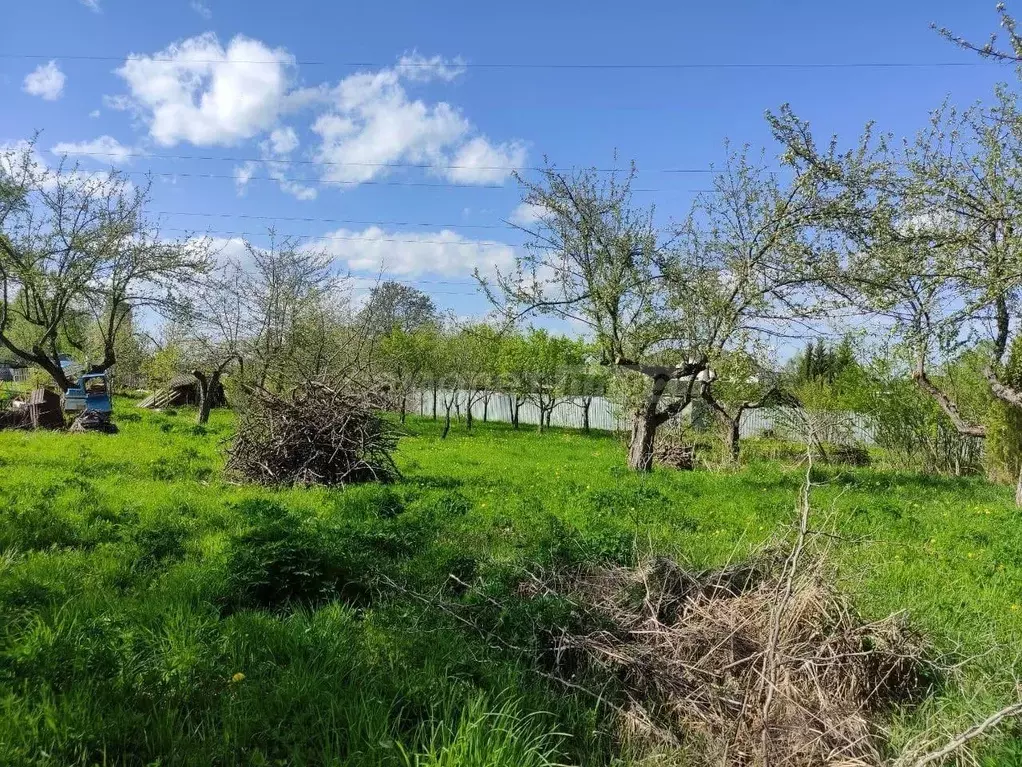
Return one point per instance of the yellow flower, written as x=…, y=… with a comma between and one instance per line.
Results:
x=1014, y=607
x=239, y=677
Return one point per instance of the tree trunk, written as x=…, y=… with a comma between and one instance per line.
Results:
x=640, y=446
x=206, y=387
x=434, y=403
x=734, y=433
x=542, y=417
x=447, y=422
x=549, y=415
x=645, y=421
x=486, y=408
x=585, y=415
x=515, y=404
x=404, y=407
x=57, y=374
x=468, y=415
x=1018, y=490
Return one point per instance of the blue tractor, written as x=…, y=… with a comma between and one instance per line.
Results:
x=92, y=395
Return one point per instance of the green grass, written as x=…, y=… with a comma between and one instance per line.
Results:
x=151, y=612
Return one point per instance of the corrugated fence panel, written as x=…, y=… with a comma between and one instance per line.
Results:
x=837, y=426
x=569, y=413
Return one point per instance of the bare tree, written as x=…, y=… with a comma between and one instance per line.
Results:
x=77, y=252
x=217, y=326
x=286, y=288
x=932, y=244
x=594, y=259
x=990, y=49
x=740, y=267
x=744, y=386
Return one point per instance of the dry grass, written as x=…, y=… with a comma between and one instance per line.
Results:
x=692, y=654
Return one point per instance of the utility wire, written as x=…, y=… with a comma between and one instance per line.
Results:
x=371, y=182
x=312, y=219
x=529, y=65
x=316, y=220
x=423, y=166
x=454, y=243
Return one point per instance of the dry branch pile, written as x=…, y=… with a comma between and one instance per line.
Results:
x=90, y=420
x=313, y=435
x=675, y=456
x=693, y=653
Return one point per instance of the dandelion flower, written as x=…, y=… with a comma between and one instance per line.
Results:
x=239, y=677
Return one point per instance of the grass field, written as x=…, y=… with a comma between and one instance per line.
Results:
x=152, y=613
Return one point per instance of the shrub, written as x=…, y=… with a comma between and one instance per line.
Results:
x=284, y=561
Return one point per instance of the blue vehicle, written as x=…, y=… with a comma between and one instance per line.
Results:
x=92, y=394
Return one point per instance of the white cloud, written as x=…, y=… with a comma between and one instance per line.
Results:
x=223, y=249
x=198, y=91
x=243, y=174
x=279, y=170
x=94, y=114
x=283, y=141
x=274, y=151
x=374, y=123
x=414, y=253
x=382, y=130
x=18, y=155
x=202, y=9
x=92, y=5
x=416, y=67
x=480, y=162
x=45, y=81
x=526, y=214
x=105, y=149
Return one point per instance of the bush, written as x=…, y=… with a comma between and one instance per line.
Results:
x=284, y=561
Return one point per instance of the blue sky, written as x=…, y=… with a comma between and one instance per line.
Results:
x=316, y=93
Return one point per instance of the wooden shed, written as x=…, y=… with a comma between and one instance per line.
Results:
x=182, y=389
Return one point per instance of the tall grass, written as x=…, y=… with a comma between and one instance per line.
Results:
x=151, y=612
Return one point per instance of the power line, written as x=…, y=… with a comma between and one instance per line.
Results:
x=531, y=65
x=385, y=278
x=371, y=182
x=313, y=219
x=422, y=166
x=318, y=220
x=431, y=292
x=463, y=244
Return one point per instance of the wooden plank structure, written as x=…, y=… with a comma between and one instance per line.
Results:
x=182, y=389
x=44, y=409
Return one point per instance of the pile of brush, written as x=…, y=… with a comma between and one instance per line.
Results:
x=91, y=421
x=675, y=455
x=751, y=665
x=314, y=435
